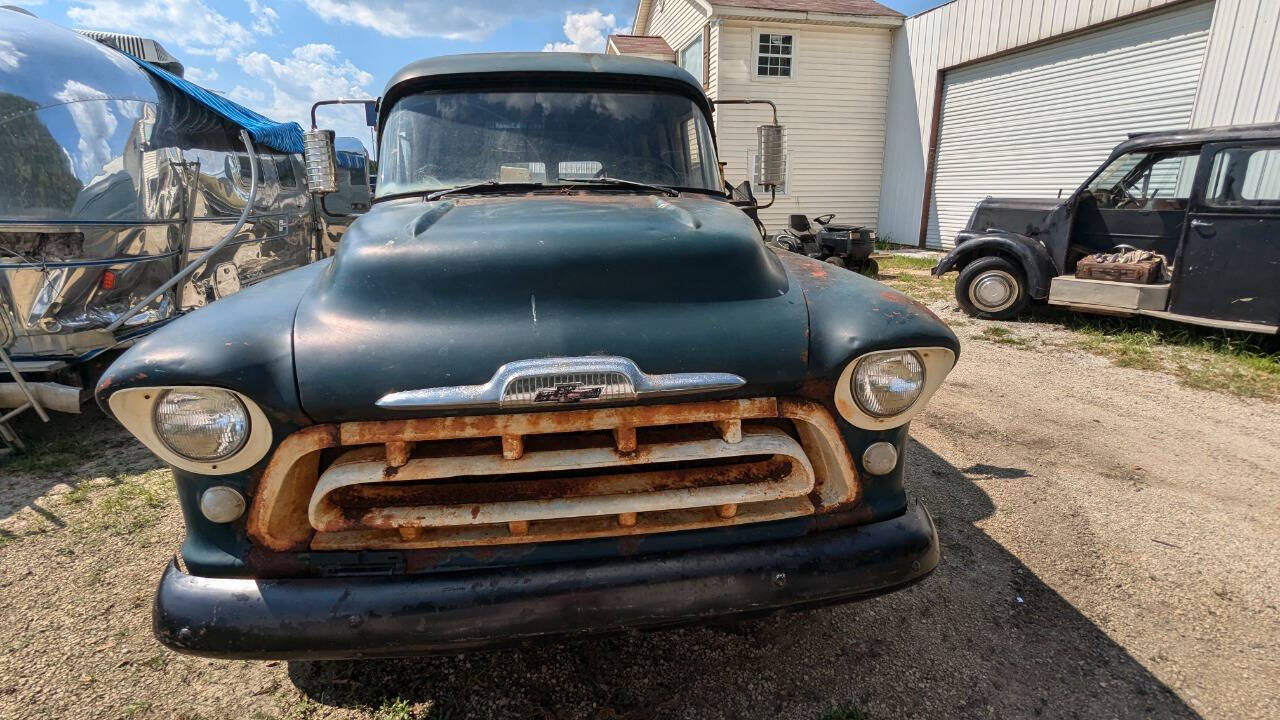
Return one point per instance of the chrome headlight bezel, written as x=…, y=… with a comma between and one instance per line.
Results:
x=937, y=363
x=135, y=408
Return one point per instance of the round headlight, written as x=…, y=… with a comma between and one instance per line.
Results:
x=888, y=383
x=201, y=424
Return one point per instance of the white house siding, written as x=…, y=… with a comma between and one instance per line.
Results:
x=1240, y=83
x=960, y=32
x=678, y=22
x=1039, y=121
x=834, y=110
x=713, y=61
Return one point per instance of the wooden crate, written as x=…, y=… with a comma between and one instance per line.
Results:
x=1143, y=272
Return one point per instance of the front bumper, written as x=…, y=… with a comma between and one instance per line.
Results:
x=450, y=612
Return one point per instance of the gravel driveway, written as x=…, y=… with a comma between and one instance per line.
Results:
x=1109, y=550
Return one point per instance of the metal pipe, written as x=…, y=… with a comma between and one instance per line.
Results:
x=15, y=412
x=204, y=256
x=315, y=105
x=748, y=101
x=10, y=437
x=22, y=385
x=773, y=197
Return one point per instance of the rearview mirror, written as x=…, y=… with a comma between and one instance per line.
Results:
x=321, y=159
x=771, y=170
x=318, y=151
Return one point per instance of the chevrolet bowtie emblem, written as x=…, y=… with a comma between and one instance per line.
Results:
x=569, y=393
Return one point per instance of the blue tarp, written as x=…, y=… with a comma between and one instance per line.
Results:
x=350, y=159
x=285, y=137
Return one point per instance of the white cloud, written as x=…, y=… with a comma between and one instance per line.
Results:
x=264, y=18
x=586, y=32
x=311, y=72
x=187, y=24
x=201, y=77
x=247, y=96
x=10, y=56
x=473, y=20
x=95, y=123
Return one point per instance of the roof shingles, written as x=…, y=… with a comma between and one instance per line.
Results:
x=834, y=7
x=641, y=45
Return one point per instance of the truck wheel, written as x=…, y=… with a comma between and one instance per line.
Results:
x=992, y=288
x=870, y=268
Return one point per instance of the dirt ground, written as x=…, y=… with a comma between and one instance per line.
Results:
x=1110, y=539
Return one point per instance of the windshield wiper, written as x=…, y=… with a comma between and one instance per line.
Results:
x=472, y=187
x=672, y=192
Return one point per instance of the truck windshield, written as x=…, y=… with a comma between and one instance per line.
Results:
x=436, y=141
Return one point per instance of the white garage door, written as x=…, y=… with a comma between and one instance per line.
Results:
x=1039, y=121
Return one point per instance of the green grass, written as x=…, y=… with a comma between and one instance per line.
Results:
x=61, y=454
x=1242, y=364
x=135, y=502
x=907, y=262
x=79, y=492
x=910, y=275
x=1002, y=336
x=397, y=709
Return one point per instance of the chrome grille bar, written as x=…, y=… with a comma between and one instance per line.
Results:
x=549, y=382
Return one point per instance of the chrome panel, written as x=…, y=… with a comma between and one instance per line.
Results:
x=550, y=382
x=83, y=150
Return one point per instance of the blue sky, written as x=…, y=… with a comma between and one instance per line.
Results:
x=276, y=56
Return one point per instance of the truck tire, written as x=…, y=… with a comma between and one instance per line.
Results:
x=992, y=288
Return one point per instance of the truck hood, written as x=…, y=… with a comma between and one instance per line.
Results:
x=1029, y=217
x=426, y=295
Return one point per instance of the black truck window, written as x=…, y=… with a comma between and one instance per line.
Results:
x=1245, y=176
x=1146, y=181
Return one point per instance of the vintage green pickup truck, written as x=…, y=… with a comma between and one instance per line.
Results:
x=553, y=382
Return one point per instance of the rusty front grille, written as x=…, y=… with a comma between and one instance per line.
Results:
x=500, y=479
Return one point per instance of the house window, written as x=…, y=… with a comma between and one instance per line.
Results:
x=691, y=58
x=774, y=54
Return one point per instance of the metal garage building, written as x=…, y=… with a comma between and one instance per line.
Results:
x=1024, y=98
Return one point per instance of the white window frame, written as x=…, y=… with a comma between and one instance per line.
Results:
x=754, y=70
x=785, y=190
x=697, y=38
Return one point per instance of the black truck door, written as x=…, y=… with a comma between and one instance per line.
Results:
x=1228, y=267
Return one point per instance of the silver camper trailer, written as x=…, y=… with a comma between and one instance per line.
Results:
x=127, y=197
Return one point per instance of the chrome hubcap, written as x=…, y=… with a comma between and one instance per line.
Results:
x=993, y=291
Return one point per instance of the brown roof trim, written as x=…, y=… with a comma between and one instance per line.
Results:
x=641, y=44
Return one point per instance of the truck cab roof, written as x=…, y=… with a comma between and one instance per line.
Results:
x=588, y=69
x=1198, y=136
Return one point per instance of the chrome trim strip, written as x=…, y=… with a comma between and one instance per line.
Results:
x=491, y=394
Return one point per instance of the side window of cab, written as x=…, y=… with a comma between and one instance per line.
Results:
x=1244, y=177
x=1146, y=181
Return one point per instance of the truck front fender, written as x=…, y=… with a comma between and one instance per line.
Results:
x=1028, y=254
